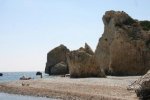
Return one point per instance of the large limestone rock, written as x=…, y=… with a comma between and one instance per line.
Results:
x=56, y=56
x=83, y=64
x=124, y=48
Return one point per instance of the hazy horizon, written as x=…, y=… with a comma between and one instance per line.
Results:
x=29, y=29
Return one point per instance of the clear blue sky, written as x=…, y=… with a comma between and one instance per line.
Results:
x=31, y=28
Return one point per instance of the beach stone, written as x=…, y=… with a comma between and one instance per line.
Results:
x=124, y=48
x=56, y=56
x=83, y=64
x=59, y=69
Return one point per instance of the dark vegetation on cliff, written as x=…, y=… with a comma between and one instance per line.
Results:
x=145, y=25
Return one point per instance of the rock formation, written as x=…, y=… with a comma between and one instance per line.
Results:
x=54, y=57
x=83, y=64
x=39, y=73
x=124, y=48
x=88, y=49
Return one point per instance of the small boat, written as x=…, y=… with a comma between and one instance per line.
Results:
x=25, y=78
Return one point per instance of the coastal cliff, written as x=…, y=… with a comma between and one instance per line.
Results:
x=124, y=48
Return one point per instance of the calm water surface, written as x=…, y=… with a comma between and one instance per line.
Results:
x=5, y=96
x=12, y=76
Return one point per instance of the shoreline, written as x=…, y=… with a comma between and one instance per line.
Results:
x=111, y=88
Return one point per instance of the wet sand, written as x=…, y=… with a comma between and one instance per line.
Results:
x=110, y=88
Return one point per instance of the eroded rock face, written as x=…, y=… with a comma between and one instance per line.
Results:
x=123, y=48
x=59, y=69
x=83, y=64
x=56, y=56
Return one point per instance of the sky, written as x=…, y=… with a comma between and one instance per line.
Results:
x=29, y=29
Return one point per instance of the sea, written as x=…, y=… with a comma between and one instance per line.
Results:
x=12, y=76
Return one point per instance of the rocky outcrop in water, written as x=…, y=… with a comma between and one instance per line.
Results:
x=124, y=48
x=83, y=64
x=54, y=57
x=39, y=74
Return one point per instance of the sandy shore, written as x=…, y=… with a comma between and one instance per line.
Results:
x=110, y=88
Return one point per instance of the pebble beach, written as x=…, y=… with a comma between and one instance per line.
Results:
x=110, y=88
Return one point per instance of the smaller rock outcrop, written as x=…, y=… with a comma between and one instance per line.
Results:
x=59, y=69
x=39, y=73
x=56, y=56
x=82, y=63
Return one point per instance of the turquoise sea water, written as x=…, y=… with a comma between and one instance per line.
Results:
x=11, y=76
